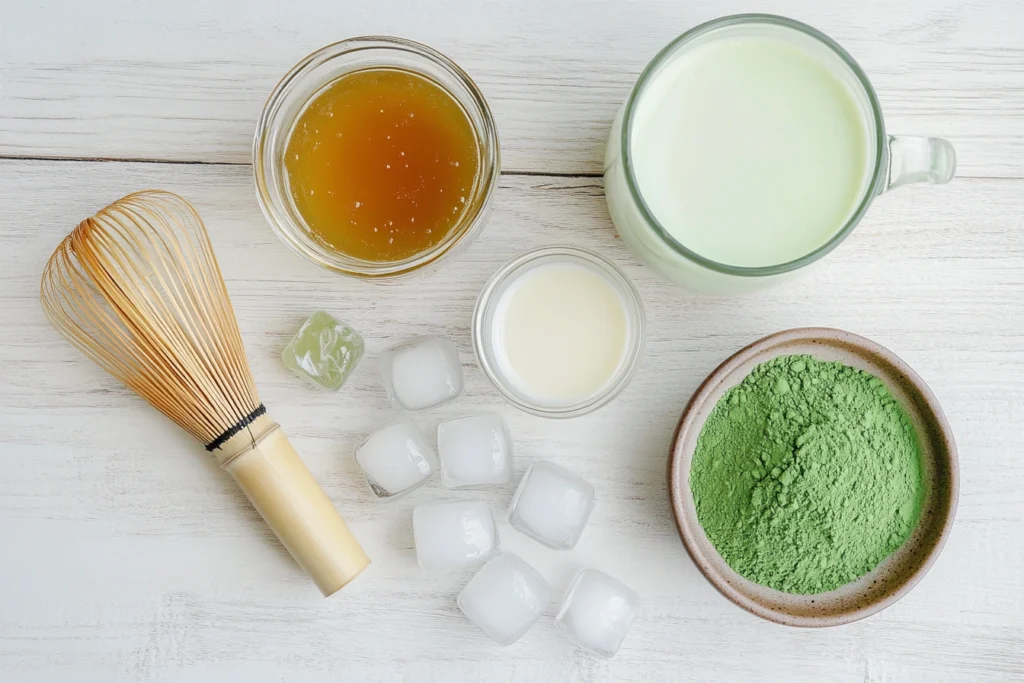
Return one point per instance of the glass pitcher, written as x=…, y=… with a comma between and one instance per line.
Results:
x=891, y=161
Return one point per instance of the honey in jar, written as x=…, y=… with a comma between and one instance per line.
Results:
x=382, y=164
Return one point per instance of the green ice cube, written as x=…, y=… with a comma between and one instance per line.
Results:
x=323, y=351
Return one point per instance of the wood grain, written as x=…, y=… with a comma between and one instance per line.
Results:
x=128, y=556
x=185, y=80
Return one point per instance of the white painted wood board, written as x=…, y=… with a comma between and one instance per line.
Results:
x=126, y=555
x=186, y=79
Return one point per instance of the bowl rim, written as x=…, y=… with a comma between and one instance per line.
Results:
x=689, y=529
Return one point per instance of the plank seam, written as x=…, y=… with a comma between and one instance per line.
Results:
x=188, y=162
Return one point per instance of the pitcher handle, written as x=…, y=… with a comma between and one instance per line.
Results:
x=919, y=160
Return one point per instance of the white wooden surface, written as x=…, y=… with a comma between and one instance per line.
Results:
x=125, y=555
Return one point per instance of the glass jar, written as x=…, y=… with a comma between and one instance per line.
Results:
x=303, y=83
x=892, y=161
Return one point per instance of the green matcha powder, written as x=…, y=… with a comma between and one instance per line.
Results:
x=807, y=475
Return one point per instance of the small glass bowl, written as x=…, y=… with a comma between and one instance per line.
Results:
x=483, y=322
x=304, y=82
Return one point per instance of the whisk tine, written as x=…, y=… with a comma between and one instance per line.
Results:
x=113, y=280
x=170, y=319
x=138, y=289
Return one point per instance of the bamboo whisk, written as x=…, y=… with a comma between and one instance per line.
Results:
x=138, y=290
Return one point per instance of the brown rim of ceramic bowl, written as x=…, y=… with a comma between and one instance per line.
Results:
x=898, y=573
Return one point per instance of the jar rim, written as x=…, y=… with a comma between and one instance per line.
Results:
x=267, y=163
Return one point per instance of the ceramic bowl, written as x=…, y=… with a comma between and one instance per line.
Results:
x=897, y=574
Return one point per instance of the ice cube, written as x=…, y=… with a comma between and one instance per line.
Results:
x=324, y=351
x=505, y=598
x=422, y=373
x=396, y=459
x=597, y=612
x=474, y=450
x=552, y=505
x=453, y=535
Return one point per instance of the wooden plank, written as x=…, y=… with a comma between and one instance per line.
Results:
x=185, y=80
x=127, y=556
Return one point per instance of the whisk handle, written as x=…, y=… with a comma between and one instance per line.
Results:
x=290, y=500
